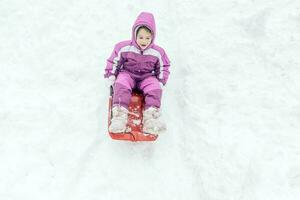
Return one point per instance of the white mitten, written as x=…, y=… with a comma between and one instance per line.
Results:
x=161, y=85
x=111, y=80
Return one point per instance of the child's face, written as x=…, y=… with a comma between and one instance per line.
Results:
x=143, y=38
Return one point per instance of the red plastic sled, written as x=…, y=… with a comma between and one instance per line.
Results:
x=134, y=128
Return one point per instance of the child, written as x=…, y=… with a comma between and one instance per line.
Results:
x=138, y=63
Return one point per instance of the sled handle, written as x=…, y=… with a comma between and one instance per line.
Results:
x=111, y=90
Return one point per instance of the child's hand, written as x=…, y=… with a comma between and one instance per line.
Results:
x=161, y=85
x=111, y=80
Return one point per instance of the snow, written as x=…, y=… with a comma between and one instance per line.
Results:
x=232, y=103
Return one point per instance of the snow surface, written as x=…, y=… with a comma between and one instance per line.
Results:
x=232, y=103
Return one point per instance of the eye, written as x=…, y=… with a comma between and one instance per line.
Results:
x=140, y=37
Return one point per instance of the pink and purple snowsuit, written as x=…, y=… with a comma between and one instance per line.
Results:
x=139, y=69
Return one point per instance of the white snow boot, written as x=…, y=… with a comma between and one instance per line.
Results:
x=152, y=122
x=119, y=119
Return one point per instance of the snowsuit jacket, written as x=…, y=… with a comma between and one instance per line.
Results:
x=140, y=64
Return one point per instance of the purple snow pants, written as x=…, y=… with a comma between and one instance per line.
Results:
x=149, y=86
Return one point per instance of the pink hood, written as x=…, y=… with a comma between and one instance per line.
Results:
x=146, y=19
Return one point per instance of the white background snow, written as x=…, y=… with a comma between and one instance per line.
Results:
x=232, y=103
